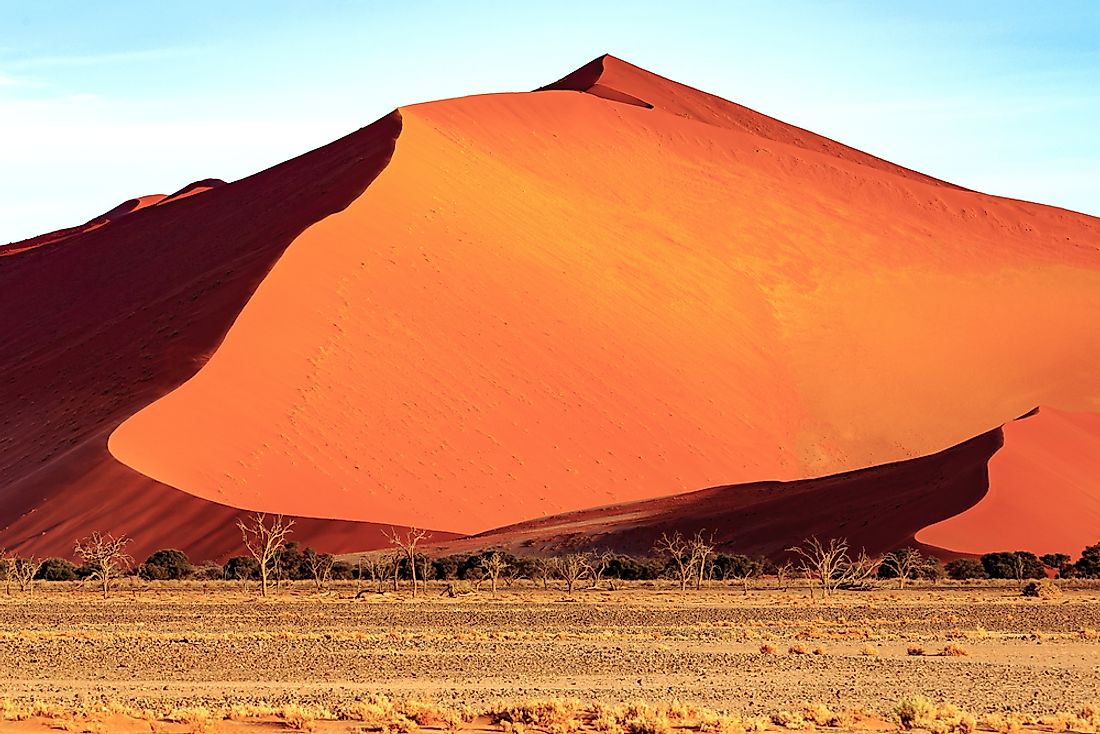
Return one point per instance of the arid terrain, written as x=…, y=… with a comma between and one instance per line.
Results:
x=594, y=312
x=157, y=647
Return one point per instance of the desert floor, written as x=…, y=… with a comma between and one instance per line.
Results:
x=156, y=647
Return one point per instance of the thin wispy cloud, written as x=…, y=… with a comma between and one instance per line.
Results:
x=96, y=59
x=7, y=80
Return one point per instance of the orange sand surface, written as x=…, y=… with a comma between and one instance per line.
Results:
x=102, y=322
x=1044, y=490
x=558, y=300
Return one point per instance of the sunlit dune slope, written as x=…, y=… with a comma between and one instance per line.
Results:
x=618, y=80
x=99, y=324
x=558, y=300
x=877, y=509
x=1044, y=490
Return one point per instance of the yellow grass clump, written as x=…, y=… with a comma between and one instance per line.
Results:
x=918, y=712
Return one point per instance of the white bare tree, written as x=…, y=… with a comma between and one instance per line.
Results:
x=600, y=565
x=406, y=545
x=700, y=549
x=6, y=570
x=679, y=553
x=264, y=538
x=905, y=563
x=105, y=555
x=320, y=567
x=493, y=565
x=24, y=570
x=830, y=567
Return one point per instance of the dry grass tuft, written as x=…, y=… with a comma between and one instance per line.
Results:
x=869, y=650
x=1085, y=719
x=197, y=719
x=553, y=715
x=954, y=650
x=918, y=712
x=1042, y=589
x=301, y=718
x=791, y=720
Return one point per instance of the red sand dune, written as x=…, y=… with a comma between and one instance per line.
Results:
x=104, y=322
x=1044, y=490
x=191, y=189
x=879, y=509
x=554, y=300
x=125, y=208
x=495, y=308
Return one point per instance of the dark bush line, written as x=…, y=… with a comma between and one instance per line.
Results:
x=293, y=563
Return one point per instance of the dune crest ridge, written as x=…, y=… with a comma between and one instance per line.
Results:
x=105, y=321
x=556, y=300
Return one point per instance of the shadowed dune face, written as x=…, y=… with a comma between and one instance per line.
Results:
x=879, y=509
x=1044, y=490
x=552, y=301
x=610, y=291
x=102, y=323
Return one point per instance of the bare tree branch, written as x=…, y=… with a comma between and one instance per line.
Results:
x=105, y=555
x=407, y=545
x=264, y=540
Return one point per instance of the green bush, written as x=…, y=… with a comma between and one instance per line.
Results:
x=56, y=569
x=1088, y=565
x=242, y=567
x=1018, y=565
x=165, y=565
x=962, y=569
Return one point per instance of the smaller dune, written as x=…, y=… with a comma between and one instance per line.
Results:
x=1044, y=490
x=196, y=187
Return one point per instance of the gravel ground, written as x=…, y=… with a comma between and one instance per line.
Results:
x=157, y=646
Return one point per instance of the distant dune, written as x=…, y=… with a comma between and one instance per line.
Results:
x=616, y=289
x=1044, y=490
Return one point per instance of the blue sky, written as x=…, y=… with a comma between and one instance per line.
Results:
x=103, y=101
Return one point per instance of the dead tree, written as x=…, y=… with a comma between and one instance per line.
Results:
x=377, y=567
x=320, y=567
x=600, y=565
x=678, y=551
x=572, y=568
x=264, y=540
x=424, y=568
x=6, y=570
x=830, y=567
x=906, y=563
x=746, y=572
x=782, y=573
x=700, y=549
x=539, y=570
x=861, y=570
x=493, y=565
x=105, y=555
x=406, y=545
x=24, y=570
